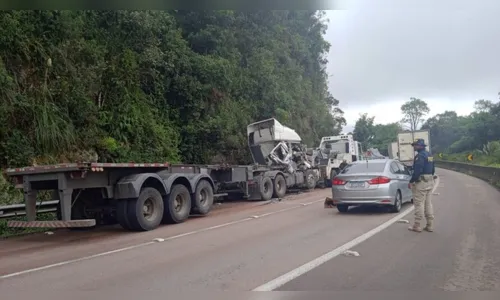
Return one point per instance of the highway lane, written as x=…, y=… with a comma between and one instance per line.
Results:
x=243, y=250
x=234, y=257
x=463, y=254
x=38, y=250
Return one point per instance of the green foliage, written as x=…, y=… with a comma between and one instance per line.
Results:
x=478, y=134
x=377, y=136
x=414, y=111
x=364, y=130
x=158, y=85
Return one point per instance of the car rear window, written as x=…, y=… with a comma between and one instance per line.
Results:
x=363, y=168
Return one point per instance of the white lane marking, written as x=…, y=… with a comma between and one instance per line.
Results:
x=287, y=277
x=71, y=261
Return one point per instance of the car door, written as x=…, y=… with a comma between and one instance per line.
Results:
x=406, y=192
x=397, y=175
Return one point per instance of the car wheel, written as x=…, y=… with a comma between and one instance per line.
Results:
x=342, y=208
x=398, y=203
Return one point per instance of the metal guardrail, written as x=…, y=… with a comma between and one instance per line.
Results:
x=489, y=174
x=18, y=210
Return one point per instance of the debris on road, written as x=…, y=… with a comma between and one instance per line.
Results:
x=403, y=221
x=159, y=240
x=328, y=202
x=351, y=253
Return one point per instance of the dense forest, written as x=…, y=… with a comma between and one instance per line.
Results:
x=156, y=86
x=452, y=136
x=175, y=86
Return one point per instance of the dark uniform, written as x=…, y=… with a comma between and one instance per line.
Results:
x=422, y=182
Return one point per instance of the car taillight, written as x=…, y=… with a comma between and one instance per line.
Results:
x=379, y=180
x=337, y=181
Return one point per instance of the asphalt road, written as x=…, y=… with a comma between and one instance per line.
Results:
x=249, y=247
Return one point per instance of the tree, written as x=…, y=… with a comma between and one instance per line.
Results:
x=483, y=105
x=414, y=111
x=383, y=135
x=363, y=130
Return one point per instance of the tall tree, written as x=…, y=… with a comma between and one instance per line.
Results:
x=414, y=111
x=363, y=130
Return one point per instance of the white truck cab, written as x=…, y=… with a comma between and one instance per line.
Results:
x=334, y=152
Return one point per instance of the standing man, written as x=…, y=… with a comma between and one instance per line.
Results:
x=422, y=183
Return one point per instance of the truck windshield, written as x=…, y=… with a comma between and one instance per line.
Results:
x=335, y=146
x=363, y=167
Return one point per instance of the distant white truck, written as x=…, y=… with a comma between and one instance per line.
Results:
x=393, y=150
x=333, y=153
x=405, y=151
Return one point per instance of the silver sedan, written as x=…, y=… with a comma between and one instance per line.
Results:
x=380, y=182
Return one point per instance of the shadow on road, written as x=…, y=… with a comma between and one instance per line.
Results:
x=369, y=210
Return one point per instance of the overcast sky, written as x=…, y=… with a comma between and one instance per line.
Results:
x=382, y=53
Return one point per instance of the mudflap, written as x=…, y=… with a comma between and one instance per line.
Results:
x=329, y=203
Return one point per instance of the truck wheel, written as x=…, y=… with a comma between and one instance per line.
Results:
x=203, y=198
x=266, y=188
x=279, y=186
x=145, y=212
x=78, y=212
x=177, y=205
x=122, y=214
x=310, y=179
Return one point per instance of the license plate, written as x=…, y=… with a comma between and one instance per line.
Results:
x=357, y=184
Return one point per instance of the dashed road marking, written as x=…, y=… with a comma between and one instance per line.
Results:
x=155, y=241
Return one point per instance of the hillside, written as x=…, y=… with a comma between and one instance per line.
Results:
x=157, y=85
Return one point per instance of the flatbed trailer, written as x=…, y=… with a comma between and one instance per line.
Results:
x=141, y=196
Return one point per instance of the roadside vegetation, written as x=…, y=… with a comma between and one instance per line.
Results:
x=156, y=86
x=453, y=137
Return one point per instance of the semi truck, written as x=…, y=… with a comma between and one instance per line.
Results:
x=393, y=151
x=333, y=153
x=141, y=196
x=406, y=154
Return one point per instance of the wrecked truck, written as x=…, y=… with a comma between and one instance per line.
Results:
x=141, y=196
x=334, y=153
x=284, y=159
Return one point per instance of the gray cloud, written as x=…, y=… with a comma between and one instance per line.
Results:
x=383, y=51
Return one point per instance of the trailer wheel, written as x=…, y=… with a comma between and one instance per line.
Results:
x=279, y=186
x=145, y=212
x=78, y=212
x=310, y=179
x=177, y=205
x=203, y=198
x=266, y=188
x=122, y=214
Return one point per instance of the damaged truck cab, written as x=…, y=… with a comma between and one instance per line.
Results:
x=280, y=152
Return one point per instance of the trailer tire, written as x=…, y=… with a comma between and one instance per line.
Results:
x=77, y=213
x=266, y=188
x=279, y=185
x=310, y=179
x=145, y=212
x=203, y=198
x=173, y=214
x=122, y=214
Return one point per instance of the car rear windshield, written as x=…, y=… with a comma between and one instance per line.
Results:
x=364, y=168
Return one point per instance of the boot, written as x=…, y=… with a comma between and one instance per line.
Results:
x=415, y=227
x=429, y=227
